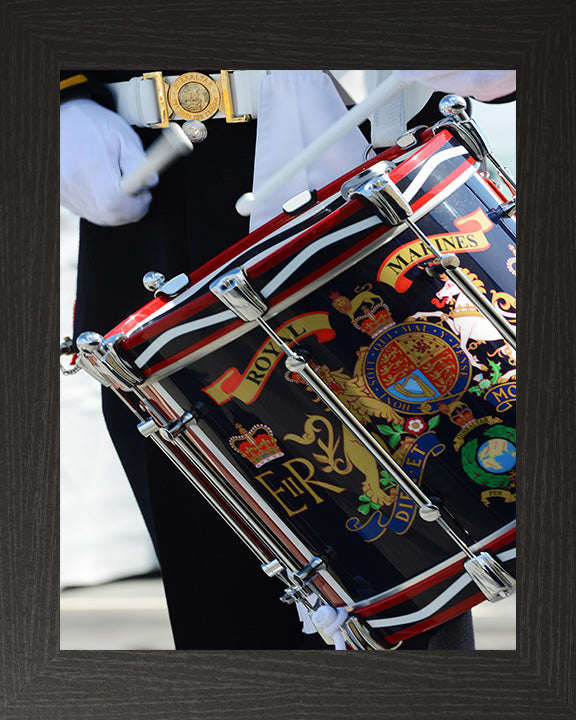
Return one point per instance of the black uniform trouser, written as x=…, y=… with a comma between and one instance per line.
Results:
x=217, y=595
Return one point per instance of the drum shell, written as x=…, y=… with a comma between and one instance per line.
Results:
x=355, y=307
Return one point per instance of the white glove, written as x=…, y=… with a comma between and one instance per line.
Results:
x=98, y=147
x=482, y=85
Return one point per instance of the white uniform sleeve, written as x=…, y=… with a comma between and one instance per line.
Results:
x=483, y=85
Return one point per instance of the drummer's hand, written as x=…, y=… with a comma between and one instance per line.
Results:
x=98, y=147
x=484, y=85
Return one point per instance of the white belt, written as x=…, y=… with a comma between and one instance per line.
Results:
x=152, y=100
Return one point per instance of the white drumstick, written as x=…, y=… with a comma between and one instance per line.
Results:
x=248, y=202
x=171, y=145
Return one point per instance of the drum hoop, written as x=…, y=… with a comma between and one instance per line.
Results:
x=276, y=309
x=200, y=283
x=427, y=574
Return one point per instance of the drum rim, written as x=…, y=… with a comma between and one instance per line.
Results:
x=408, y=160
x=239, y=329
x=488, y=542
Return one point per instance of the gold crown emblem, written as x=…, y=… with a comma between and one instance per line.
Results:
x=257, y=444
x=367, y=311
x=458, y=412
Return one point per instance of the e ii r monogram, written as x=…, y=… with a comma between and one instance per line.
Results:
x=298, y=485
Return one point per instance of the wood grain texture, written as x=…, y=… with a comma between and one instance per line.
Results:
x=39, y=681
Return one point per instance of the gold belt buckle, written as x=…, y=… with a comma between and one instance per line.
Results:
x=228, y=101
x=161, y=91
x=195, y=96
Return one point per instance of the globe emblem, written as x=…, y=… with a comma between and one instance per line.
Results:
x=497, y=455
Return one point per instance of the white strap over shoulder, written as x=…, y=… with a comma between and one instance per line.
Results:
x=295, y=107
x=390, y=119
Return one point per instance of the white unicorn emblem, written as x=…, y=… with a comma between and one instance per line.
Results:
x=466, y=321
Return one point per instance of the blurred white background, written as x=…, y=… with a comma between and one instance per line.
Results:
x=102, y=534
x=103, y=537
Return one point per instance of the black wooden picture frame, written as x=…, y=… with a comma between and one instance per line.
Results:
x=37, y=680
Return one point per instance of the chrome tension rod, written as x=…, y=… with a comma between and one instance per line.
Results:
x=374, y=187
x=235, y=291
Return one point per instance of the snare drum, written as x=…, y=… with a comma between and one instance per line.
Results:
x=426, y=377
